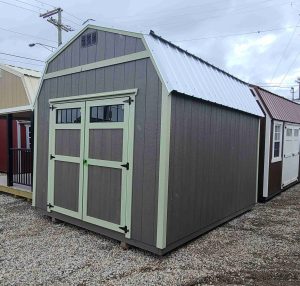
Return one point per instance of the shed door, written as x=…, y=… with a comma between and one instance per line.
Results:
x=106, y=169
x=290, y=164
x=66, y=142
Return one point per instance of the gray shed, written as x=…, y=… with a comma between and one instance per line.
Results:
x=141, y=141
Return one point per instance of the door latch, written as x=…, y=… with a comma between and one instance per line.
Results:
x=126, y=166
x=84, y=161
x=52, y=157
x=52, y=107
x=124, y=228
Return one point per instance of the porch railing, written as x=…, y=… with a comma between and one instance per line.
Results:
x=22, y=166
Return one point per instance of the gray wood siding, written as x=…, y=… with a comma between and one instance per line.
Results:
x=66, y=185
x=213, y=162
x=106, y=144
x=104, y=193
x=137, y=74
x=109, y=45
x=65, y=142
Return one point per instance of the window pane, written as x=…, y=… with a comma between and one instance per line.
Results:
x=108, y=113
x=93, y=112
x=83, y=41
x=289, y=132
x=277, y=137
x=276, y=149
x=58, y=116
x=88, y=39
x=94, y=38
x=63, y=116
x=277, y=128
x=296, y=132
x=78, y=120
x=69, y=115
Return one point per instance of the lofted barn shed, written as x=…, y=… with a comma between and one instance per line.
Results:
x=141, y=141
x=279, y=143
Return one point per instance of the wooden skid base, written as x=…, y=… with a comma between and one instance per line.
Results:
x=16, y=192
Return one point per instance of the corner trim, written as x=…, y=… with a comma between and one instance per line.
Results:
x=163, y=184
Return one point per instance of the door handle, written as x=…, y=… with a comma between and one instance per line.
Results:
x=84, y=161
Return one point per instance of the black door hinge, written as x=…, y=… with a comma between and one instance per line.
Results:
x=52, y=157
x=126, y=166
x=124, y=228
x=52, y=107
x=129, y=100
x=50, y=206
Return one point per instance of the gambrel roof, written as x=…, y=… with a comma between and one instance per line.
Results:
x=30, y=80
x=189, y=75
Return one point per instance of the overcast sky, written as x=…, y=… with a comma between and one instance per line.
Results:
x=209, y=29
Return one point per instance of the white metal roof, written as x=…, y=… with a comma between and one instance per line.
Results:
x=187, y=74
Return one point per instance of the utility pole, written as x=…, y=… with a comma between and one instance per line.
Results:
x=293, y=93
x=58, y=23
x=298, y=81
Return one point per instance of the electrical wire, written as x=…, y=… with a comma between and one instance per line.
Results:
x=17, y=56
x=237, y=34
x=290, y=67
x=13, y=61
x=35, y=6
x=27, y=35
x=285, y=50
x=18, y=6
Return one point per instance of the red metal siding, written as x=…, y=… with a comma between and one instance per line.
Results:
x=3, y=143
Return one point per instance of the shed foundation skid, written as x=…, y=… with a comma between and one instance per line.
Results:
x=123, y=151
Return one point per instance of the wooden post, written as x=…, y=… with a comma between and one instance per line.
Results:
x=32, y=145
x=9, y=150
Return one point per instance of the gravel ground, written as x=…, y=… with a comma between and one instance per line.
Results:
x=261, y=247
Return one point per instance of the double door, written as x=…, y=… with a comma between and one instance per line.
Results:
x=90, y=161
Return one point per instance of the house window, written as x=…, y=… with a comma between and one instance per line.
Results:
x=89, y=39
x=296, y=132
x=277, y=142
x=108, y=113
x=68, y=115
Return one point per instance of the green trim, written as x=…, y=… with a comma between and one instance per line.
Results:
x=126, y=174
x=78, y=160
x=94, y=96
x=34, y=156
x=162, y=208
x=99, y=64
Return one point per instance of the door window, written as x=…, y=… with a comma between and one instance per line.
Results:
x=68, y=115
x=108, y=113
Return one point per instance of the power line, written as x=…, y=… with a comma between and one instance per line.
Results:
x=13, y=61
x=35, y=6
x=237, y=34
x=285, y=50
x=26, y=35
x=290, y=67
x=19, y=6
x=12, y=55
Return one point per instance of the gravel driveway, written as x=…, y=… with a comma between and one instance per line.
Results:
x=261, y=247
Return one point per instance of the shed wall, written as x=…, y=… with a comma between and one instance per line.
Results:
x=12, y=91
x=213, y=164
x=139, y=74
